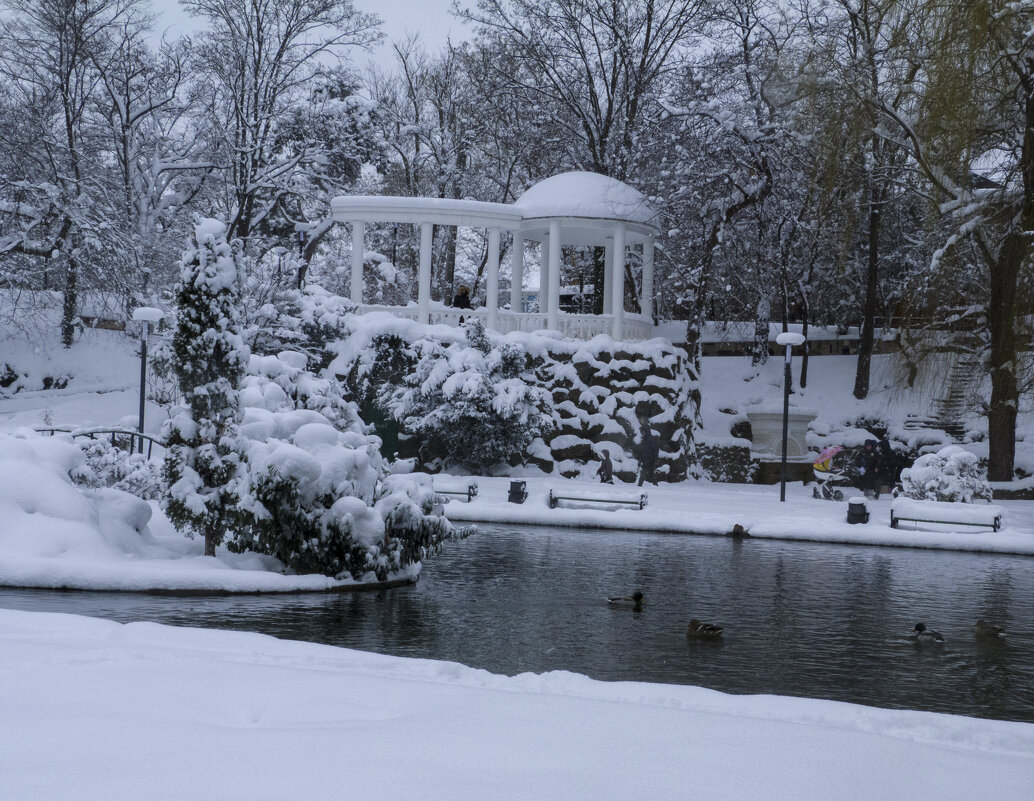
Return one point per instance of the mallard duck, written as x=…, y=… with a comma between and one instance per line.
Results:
x=922, y=634
x=633, y=601
x=703, y=631
x=988, y=630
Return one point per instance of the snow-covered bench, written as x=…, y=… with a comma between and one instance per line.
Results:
x=637, y=500
x=464, y=489
x=960, y=514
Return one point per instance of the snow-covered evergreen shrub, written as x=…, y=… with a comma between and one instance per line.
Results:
x=110, y=466
x=204, y=468
x=952, y=474
x=307, y=320
x=473, y=404
x=383, y=283
x=162, y=387
x=321, y=499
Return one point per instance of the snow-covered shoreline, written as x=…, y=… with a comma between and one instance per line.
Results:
x=714, y=509
x=95, y=709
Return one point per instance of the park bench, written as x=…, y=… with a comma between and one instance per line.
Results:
x=943, y=513
x=465, y=489
x=636, y=500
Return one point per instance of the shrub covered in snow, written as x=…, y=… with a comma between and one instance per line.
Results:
x=320, y=497
x=307, y=320
x=952, y=474
x=204, y=468
x=109, y=466
x=383, y=282
x=473, y=403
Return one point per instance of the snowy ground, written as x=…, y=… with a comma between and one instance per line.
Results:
x=58, y=535
x=94, y=709
x=100, y=710
x=705, y=508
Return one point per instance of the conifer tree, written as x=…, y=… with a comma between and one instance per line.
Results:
x=205, y=469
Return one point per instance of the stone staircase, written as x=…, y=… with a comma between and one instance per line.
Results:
x=949, y=411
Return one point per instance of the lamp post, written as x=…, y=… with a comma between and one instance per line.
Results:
x=788, y=339
x=145, y=315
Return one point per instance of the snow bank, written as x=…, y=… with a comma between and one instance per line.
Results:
x=55, y=534
x=95, y=709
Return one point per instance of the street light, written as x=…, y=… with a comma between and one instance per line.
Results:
x=788, y=339
x=145, y=315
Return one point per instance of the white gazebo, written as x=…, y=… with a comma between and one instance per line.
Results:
x=574, y=209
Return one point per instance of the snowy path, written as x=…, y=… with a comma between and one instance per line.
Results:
x=706, y=508
x=100, y=710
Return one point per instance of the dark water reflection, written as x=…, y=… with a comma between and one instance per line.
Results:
x=824, y=621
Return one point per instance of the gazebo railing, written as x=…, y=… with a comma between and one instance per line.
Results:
x=573, y=326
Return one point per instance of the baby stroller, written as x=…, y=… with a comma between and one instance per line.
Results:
x=827, y=475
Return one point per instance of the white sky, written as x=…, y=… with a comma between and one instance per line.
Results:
x=430, y=18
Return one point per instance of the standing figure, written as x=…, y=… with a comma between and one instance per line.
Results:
x=606, y=469
x=886, y=468
x=867, y=468
x=462, y=298
x=649, y=449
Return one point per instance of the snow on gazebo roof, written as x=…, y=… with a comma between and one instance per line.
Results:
x=585, y=194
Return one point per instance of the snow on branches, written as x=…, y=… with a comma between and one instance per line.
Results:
x=204, y=467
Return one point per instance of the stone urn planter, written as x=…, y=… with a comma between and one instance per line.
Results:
x=766, y=426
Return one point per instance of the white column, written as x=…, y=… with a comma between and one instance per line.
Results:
x=553, y=313
x=516, y=272
x=608, y=258
x=358, y=252
x=424, y=281
x=492, y=300
x=544, y=275
x=646, y=301
x=617, y=280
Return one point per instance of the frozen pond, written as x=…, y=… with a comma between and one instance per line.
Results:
x=824, y=621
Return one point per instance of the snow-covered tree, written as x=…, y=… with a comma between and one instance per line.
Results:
x=951, y=474
x=260, y=57
x=473, y=404
x=205, y=470
x=322, y=501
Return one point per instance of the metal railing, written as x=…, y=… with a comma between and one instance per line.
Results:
x=92, y=433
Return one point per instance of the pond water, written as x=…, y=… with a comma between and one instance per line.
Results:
x=804, y=619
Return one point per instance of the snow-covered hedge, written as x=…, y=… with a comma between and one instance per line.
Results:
x=109, y=466
x=321, y=499
x=952, y=474
x=473, y=404
x=308, y=320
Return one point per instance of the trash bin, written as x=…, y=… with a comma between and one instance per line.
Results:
x=857, y=510
x=518, y=492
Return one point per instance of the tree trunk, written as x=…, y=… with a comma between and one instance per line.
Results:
x=762, y=319
x=865, y=341
x=69, y=312
x=452, y=233
x=599, y=269
x=807, y=348
x=1001, y=317
x=211, y=540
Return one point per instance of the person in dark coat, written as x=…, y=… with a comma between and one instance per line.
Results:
x=649, y=449
x=867, y=468
x=886, y=468
x=606, y=470
x=462, y=298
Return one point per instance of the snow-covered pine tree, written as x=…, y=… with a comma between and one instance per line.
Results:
x=475, y=404
x=204, y=469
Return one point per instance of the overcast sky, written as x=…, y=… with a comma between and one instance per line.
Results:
x=430, y=18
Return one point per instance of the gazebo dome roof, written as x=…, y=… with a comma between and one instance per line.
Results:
x=585, y=195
